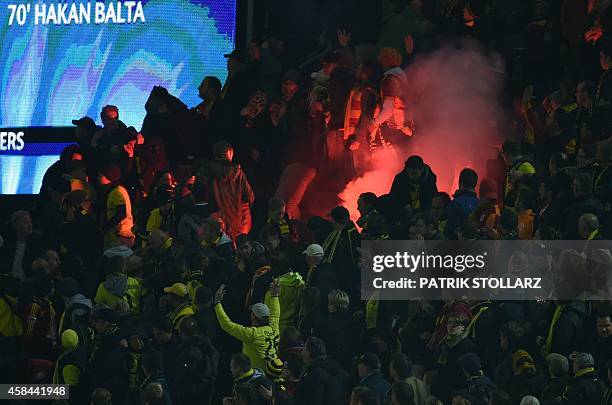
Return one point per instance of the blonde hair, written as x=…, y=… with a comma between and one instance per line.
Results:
x=338, y=299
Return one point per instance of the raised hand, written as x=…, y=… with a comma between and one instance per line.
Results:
x=275, y=287
x=344, y=37
x=219, y=294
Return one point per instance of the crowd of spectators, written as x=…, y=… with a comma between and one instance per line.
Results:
x=205, y=260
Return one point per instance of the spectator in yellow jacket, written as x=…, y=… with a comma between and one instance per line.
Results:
x=259, y=341
x=119, y=287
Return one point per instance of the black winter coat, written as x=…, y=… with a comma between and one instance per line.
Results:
x=401, y=188
x=321, y=383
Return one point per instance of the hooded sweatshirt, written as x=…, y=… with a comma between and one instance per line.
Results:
x=321, y=383
x=292, y=285
x=233, y=195
x=118, y=287
x=75, y=316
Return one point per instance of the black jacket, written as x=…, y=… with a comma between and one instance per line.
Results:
x=322, y=277
x=341, y=252
x=321, y=383
x=195, y=370
x=401, y=188
x=480, y=389
x=109, y=363
x=337, y=330
x=450, y=374
x=553, y=392
x=568, y=331
x=584, y=389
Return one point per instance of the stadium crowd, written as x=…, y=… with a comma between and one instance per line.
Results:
x=204, y=258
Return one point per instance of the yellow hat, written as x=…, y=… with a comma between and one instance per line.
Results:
x=179, y=289
x=70, y=339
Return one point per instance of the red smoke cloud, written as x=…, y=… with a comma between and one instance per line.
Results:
x=454, y=97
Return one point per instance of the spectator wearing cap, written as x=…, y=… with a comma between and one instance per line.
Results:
x=370, y=375
x=415, y=185
x=584, y=387
x=77, y=309
x=259, y=341
x=479, y=386
x=231, y=189
x=178, y=303
x=70, y=365
x=320, y=274
x=118, y=286
x=558, y=367
x=117, y=217
x=109, y=361
x=340, y=249
x=22, y=245
x=238, y=85
x=84, y=131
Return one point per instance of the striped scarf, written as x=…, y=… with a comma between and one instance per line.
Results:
x=353, y=110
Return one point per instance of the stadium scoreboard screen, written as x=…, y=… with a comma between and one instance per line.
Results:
x=61, y=60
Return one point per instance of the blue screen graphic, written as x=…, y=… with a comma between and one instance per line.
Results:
x=52, y=74
x=22, y=171
x=64, y=59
